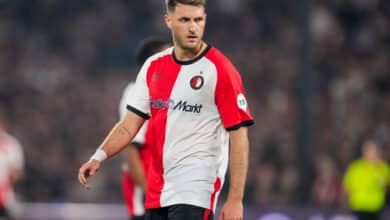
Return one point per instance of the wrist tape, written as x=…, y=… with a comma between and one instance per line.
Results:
x=99, y=155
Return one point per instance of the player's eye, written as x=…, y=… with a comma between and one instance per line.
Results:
x=183, y=20
x=198, y=19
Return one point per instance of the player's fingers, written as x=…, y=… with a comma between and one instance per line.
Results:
x=82, y=178
x=84, y=182
x=83, y=172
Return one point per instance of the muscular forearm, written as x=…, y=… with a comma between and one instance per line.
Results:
x=121, y=134
x=118, y=138
x=238, y=163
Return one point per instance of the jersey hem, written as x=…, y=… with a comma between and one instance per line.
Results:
x=138, y=112
x=192, y=202
x=242, y=124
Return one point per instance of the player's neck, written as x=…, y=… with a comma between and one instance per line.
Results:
x=188, y=54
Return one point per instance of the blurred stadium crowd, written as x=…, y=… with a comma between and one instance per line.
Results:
x=64, y=65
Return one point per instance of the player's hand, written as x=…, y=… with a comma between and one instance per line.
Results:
x=86, y=170
x=232, y=210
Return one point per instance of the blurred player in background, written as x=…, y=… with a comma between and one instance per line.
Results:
x=11, y=168
x=138, y=153
x=366, y=181
x=195, y=100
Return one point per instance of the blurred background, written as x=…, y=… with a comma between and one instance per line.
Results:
x=317, y=76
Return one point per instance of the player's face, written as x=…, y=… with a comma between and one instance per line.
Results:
x=187, y=24
x=372, y=151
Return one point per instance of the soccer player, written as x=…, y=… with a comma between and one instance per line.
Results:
x=11, y=168
x=138, y=153
x=197, y=110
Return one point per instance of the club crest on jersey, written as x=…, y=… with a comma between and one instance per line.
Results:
x=196, y=82
x=241, y=102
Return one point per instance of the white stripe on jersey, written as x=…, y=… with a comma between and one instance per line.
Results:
x=138, y=200
x=193, y=160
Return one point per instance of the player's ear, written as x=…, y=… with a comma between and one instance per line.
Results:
x=168, y=20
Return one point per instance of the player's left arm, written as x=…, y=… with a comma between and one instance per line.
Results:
x=238, y=163
x=234, y=111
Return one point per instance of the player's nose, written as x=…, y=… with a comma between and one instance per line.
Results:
x=192, y=27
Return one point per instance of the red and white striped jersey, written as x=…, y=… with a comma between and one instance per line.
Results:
x=191, y=105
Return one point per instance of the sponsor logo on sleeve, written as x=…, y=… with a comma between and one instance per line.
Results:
x=241, y=102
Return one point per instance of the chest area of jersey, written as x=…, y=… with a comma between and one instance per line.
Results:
x=187, y=88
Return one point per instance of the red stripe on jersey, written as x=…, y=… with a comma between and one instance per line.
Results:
x=161, y=77
x=217, y=187
x=206, y=215
x=128, y=192
x=229, y=92
x=145, y=153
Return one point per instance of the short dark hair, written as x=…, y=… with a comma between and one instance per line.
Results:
x=148, y=47
x=171, y=4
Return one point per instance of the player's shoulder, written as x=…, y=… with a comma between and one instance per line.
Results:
x=216, y=55
x=157, y=57
x=160, y=54
x=221, y=61
x=129, y=88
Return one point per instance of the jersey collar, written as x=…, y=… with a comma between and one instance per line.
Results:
x=188, y=62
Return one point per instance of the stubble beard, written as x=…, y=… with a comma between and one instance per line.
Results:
x=192, y=48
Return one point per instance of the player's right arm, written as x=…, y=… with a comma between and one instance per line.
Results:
x=125, y=130
x=118, y=138
x=132, y=155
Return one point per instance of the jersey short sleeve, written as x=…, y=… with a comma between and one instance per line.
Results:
x=126, y=96
x=230, y=96
x=139, y=103
x=139, y=139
